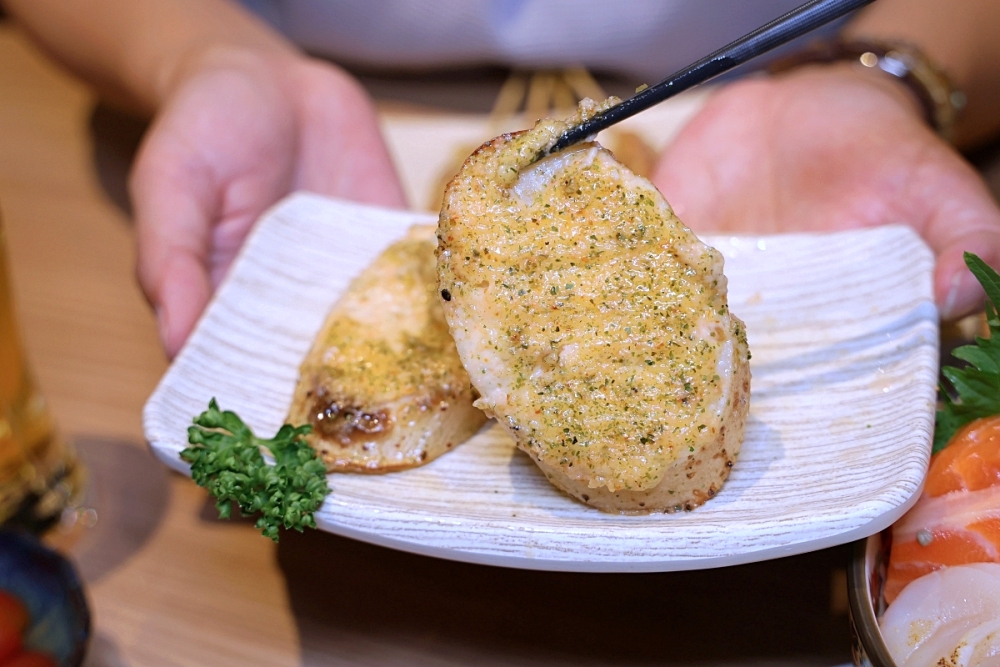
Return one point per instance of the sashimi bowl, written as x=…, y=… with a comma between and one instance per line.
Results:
x=947, y=617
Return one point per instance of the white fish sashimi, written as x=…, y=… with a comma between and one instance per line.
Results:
x=980, y=647
x=948, y=617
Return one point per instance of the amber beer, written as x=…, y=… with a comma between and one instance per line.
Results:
x=39, y=475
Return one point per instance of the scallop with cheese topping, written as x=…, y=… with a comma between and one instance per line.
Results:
x=593, y=323
x=382, y=386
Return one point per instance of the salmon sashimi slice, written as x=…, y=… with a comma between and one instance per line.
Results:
x=957, y=519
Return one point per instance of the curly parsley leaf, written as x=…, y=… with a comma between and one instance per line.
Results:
x=975, y=389
x=226, y=458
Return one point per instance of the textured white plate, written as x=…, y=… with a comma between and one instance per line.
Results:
x=843, y=333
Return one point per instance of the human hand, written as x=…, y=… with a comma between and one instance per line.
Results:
x=827, y=148
x=239, y=130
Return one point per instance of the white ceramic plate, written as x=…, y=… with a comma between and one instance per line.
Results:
x=843, y=333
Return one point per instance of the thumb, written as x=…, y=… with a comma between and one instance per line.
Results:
x=956, y=290
x=174, y=203
x=964, y=218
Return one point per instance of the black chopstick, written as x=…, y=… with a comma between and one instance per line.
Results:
x=780, y=31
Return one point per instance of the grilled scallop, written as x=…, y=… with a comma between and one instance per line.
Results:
x=383, y=386
x=593, y=323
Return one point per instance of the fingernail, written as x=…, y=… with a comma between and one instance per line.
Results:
x=963, y=296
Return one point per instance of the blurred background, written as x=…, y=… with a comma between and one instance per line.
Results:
x=168, y=583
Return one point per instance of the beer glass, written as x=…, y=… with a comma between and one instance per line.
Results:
x=39, y=473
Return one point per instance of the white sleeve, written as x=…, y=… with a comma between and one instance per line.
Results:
x=648, y=39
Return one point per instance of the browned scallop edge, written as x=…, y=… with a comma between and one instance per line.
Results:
x=464, y=420
x=469, y=424
x=495, y=144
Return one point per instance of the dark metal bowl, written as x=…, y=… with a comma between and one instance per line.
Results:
x=865, y=582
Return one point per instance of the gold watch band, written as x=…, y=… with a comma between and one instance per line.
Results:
x=940, y=100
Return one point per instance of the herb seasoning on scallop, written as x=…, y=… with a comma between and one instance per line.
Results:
x=593, y=323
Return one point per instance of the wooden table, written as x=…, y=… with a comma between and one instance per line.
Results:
x=170, y=584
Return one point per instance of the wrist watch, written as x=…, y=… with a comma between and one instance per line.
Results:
x=940, y=100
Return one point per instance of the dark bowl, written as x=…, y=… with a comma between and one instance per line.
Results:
x=48, y=586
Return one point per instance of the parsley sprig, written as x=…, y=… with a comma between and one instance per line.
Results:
x=975, y=389
x=226, y=459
